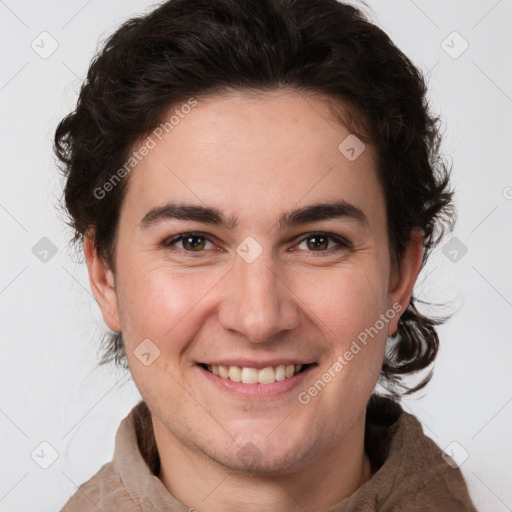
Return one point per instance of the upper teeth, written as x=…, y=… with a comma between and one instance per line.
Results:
x=266, y=375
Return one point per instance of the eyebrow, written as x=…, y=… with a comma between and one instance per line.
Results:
x=208, y=215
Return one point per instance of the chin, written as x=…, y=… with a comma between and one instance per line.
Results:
x=250, y=460
x=259, y=454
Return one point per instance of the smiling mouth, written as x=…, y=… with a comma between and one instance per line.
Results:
x=247, y=375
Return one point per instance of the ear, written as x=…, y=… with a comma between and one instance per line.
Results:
x=101, y=279
x=403, y=279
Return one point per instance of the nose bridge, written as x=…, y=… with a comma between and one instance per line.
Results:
x=257, y=303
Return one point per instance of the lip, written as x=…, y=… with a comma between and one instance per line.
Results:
x=251, y=363
x=256, y=391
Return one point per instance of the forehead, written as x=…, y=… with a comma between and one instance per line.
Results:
x=247, y=155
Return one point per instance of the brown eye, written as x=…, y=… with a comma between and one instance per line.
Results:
x=193, y=243
x=320, y=242
x=190, y=242
x=324, y=243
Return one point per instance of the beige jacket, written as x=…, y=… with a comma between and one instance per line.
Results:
x=410, y=474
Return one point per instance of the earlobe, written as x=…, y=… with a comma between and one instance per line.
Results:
x=404, y=279
x=101, y=279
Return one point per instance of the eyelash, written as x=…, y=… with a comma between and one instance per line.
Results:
x=344, y=245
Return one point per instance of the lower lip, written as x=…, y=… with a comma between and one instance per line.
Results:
x=255, y=391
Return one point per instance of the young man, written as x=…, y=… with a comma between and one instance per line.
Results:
x=257, y=186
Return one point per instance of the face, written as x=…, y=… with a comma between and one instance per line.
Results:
x=253, y=280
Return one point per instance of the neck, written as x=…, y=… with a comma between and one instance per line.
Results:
x=199, y=482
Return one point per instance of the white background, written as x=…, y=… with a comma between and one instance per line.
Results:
x=51, y=390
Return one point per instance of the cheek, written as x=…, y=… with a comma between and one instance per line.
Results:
x=158, y=303
x=347, y=307
x=344, y=300
x=161, y=306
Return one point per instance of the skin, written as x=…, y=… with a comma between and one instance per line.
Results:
x=255, y=158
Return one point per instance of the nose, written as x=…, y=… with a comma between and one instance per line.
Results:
x=257, y=302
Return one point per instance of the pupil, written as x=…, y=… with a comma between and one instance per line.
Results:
x=194, y=245
x=320, y=244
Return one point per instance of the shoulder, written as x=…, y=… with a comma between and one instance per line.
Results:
x=118, y=484
x=411, y=471
x=431, y=484
x=88, y=496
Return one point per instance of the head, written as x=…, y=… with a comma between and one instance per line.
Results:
x=291, y=143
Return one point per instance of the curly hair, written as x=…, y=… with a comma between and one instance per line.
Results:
x=192, y=48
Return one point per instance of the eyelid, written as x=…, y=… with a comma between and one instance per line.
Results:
x=170, y=242
x=343, y=243
x=335, y=238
